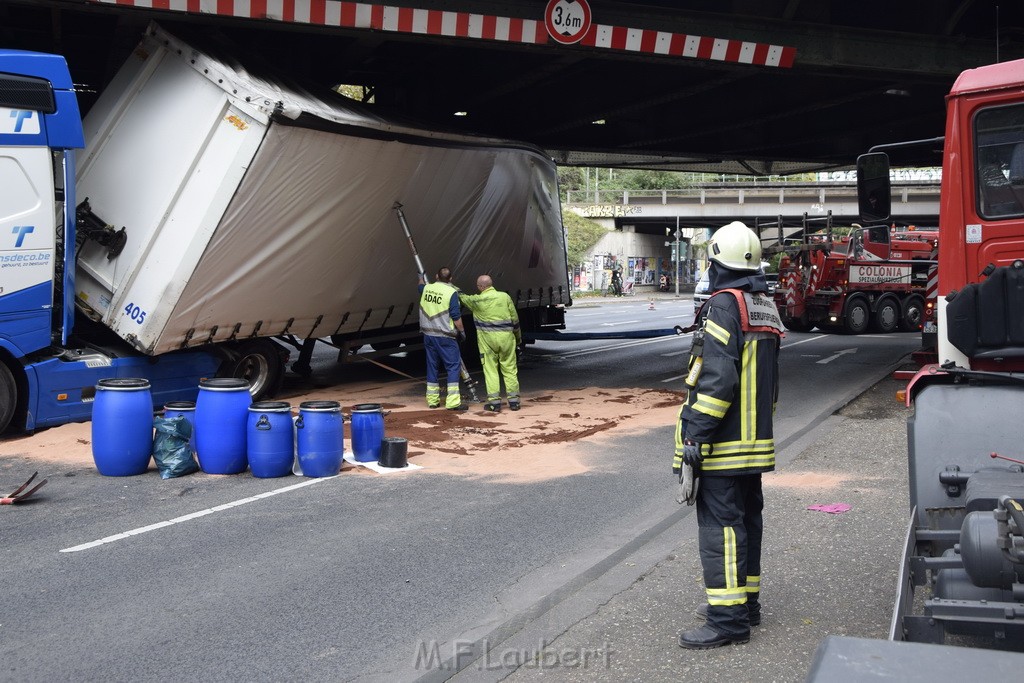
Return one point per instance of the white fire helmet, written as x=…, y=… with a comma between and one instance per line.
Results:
x=736, y=247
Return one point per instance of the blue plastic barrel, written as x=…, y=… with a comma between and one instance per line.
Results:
x=270, y=439
x=367, y=427
x=222, y=415
x=321, y=438
x=186, y=409
x=122, y=426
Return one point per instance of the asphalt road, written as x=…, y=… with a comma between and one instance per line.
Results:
x=350, y=578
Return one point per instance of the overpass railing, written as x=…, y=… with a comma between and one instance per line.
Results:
x=740, y=193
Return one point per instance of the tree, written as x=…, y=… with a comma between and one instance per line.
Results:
x=582, y=235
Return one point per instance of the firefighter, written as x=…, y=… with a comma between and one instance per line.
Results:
x=441, y=325
x=724, y=433
x=498, y=338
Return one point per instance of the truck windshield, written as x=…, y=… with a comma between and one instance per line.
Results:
x=999, y=161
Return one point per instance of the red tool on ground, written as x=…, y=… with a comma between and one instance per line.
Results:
x=18, y=496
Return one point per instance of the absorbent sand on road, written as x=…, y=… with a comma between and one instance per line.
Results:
x=538, y=442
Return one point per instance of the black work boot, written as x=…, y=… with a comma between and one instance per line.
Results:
x=493, y=407
x=753, y=613
x=705, y=638
x=513, y=405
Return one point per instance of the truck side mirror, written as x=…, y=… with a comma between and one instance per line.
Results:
x=874, y=191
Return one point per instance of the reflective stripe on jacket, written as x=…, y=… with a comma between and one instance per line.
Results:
x=730, y=409
x=435, y=317
x=493, y=311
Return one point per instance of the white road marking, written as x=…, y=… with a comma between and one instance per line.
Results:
x=672, y=379
x=623, y=322
x=612, y=347
x=191, y=515
x=803, y=341
x=837, y=355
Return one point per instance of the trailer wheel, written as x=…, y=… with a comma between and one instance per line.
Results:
x=797, y=324
x=857, y=315
x=887, y=315
x=259, y=362
x=913, y=314
x=8, y=396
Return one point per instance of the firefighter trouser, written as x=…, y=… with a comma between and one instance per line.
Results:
x=498, y=352
x=442, y=352
x=729, y=517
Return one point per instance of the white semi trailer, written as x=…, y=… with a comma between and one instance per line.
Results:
x=222, y=209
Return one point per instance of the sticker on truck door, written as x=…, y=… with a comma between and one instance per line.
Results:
x=18, y=122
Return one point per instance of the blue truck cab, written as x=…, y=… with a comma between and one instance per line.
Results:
x=47, y=375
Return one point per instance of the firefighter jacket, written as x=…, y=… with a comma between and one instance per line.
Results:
x=730, y=402
x=436, y=310
x=493, y=311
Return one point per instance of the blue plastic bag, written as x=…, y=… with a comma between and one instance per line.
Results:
x=171, y=449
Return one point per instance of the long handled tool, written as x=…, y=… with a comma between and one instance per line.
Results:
x=463, y=372
x=17, y=496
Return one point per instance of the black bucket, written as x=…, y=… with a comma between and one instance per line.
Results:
x=394, y=452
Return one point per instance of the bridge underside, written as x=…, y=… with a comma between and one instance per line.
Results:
x=861, y=73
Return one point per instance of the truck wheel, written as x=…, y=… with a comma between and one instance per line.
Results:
x=259, y=362
x=857, y=316
x=913, y=314
x=8, y=396
x=797, y=324
x=887, y=315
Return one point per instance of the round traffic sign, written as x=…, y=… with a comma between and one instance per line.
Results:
x=567, y=21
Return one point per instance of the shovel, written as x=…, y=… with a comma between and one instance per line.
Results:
x=17, y=496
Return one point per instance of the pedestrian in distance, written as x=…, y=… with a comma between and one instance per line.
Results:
x=616, y=282
x=724, y=433
x=442, y=329
x=498, y=338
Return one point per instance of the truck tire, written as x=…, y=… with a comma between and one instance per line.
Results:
x=887, y=315
x=857, y=315
x=913, y=314
x=797, y=324
x=8, y=396
x=258, y=361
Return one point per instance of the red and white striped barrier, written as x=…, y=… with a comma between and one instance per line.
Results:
x=431, y=22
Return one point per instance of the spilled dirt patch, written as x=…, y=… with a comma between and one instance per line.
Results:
x=552, y=436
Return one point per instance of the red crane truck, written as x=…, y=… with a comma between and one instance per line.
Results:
x=874, y=277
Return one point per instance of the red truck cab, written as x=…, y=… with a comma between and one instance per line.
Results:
x=980, y=302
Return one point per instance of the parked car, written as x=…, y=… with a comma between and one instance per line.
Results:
x=701, y=293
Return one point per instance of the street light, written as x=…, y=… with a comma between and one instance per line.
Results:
x=675, y=250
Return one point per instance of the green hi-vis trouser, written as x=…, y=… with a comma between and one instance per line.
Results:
x=498, y=356
x=729, y=537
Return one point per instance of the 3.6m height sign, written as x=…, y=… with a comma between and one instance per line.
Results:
x=567, y=21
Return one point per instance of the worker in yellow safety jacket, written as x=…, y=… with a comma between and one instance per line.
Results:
x=498, y=337
x=441, y=325
x=724, y=434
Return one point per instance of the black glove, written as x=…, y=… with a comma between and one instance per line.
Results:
x=691, y=454
x=460, y=336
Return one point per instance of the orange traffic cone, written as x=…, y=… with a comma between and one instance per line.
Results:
x=651, y=306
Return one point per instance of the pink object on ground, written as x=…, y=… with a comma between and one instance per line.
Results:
x=832, y=508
